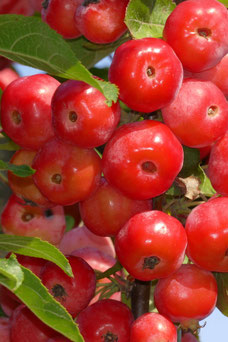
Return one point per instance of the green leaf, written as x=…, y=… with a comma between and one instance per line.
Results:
x=205, y=184
x=89, y=53
x=146, y=18
x=11, y=274
x=1, y=93
x=191, y=161
x=222, y=300
x=9, y=146
x=70, y=222
x=224, y=2
x=30, y=41
x=18, y=170
x=34, y=247
x=37, y=298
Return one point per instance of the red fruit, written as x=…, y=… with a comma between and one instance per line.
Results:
x=8, y=301
x=101, y=21
x=25, y=187
x=107, y=210
x=142, y=159
x=112, y=323
x=66, y=174
x=81, y=115
x=59, y=339
x=188, y=294
x=152, y=327
x=80, y=237
x=100, y=261
x=217, y=166
x=188, y=337
x=7, y=76
x=26, y=115
x=73, y=293
x=59, y=15
x=147, y=73
x=33, y=264
x=198, y=33
x=206, y=229
x=16, y=7
x=199, y=114
x=4, y=329
x=218, y=75
x=26, y=327
x=151, y=245
x=36, y=5
x=20, y=219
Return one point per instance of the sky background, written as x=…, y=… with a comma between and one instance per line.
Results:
x=216, y=324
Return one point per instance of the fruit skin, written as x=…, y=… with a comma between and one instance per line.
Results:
x=8, y=303
x=199, y=114
x=218, y=75
x=188, y=337
x=153, y=327
x=151, y=245
x=66, y=174
x=80, y=237
x=20, y=219
x=113, y=321
x=7, y=76
x=24, y=187
x=107, y=210
x=28, y=110
x=59, y=15
x=81, y=115
x=142, y=159
x=206, y=229
x=217, y=166
x=188, y=294
x=16, y=7
x=26, y=327
x=147, y=73
x=101, y=21
x=73, y=293
x=198, y=33
x=4, y=329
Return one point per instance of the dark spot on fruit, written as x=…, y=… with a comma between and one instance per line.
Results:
x=48, y=213
x=204, y=32
x=73, y=116
x=56, y=178
x=26, y=217
x=109, y=337
x=16, y=117
x=59, y=291
x=88, y=2
x=151, y=262
x=149, y=167
x=212, y=111
x=150, y=72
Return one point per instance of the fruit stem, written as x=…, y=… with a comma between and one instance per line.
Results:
x=140, y=296
x=3, y=178
x=112, y=270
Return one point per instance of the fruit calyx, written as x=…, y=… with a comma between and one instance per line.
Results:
x=151, y=262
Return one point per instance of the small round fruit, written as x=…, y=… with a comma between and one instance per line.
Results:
x=199, y=114
x=206, y=229
x=101, y=21
x=112, y=323
x=188, y=337
x=7, y=76
x=5, y=329
x=26, y=115
x=147, y=73
x=59, y=15
x=142, y=159
x=217, y=166
x=198, y=33
x=73, y=293
x=153, y=327
x=18, y=218
x=81, y=115
x=151, y=245
x=66, y=174
x=187, y=295
x=26, y=327
x=107, y=210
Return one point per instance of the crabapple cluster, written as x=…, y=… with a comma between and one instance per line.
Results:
x=115, y=178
